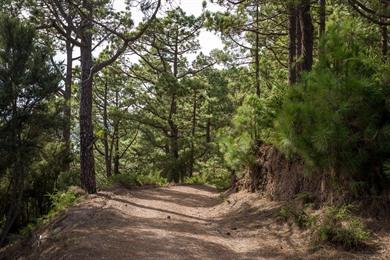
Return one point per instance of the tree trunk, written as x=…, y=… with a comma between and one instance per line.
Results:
x=174, y=146
x=298, y=60
x=292, y=22
x=176, y=174
x=193, y=130
x=116, y=150
x=321, y=29
x=107, y=153
x=67, y=100
x=208, y=130
x=307, y=35
x=87, y=160
x=385, y=42
x=257, y=54
x=116, y=137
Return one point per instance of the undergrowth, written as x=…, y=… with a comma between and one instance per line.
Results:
x=338, y=226
x=60, y=201
x=220, y=180
x=131, y=180
x=333, y=225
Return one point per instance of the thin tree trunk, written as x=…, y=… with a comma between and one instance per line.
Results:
x=298, y=60
x=116, y=137
x=67, y=99
x=193, y=130
x=116, y=150
x=208, y=130
x=87, y=160
x=307, y=35
x=385, y=42
x=176, y=174
x=322, y=27
x=292, y=30
x=107, y=154
x=257, y=54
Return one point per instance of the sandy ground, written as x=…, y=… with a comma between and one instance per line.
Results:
x=178, y=222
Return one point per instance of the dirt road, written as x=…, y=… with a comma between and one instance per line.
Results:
x=179, y=222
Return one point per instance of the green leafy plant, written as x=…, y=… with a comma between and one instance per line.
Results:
x=336, y=118
x=340, y=227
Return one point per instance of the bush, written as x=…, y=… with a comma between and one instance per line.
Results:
x=297, y=211
x=131, y=180
x=220, y=180
x=339, y=227
x=63, y=199
x=337, y=118
x=253, y=121
x=60, y=201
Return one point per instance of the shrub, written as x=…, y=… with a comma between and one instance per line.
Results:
x=63, y=199
x=218, y=177
x=153, y=178
x=60, y=201
x=131, y=180
x=339, y=227
x=253, y=121
x=297, y=214
x=337, y=118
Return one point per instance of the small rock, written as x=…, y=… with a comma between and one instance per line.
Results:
x=234, y=228
x=168, y=217
x=228, y=233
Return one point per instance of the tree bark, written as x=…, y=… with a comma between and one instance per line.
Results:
x=298, y=60
x=307, y=35
x=257, y=54
x=176, y=174
x=107, y=154
x=193, y=130
x=116, y=138
x=87, y=160
x=292, y=51
x=322, y=27
x=67, y=99
x=385, y=42
x=208, y=130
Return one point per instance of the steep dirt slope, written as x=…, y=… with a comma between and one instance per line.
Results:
x=178, y=222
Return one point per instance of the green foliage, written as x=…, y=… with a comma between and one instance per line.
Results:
x=60, y=201
x=131, y=180
x=213, y=175
x=252, y=122
x=31, y=158
x=336, y=225
x=340, y=227
x=337, y=119
x=298, y=216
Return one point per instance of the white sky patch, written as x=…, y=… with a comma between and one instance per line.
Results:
x=208, y=40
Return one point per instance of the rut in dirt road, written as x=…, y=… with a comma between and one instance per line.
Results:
x=179, y=222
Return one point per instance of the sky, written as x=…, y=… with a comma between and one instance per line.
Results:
x=208, y=40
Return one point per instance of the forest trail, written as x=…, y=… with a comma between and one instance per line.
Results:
x=177, y=222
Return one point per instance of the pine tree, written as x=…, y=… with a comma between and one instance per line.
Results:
x=27, y=82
